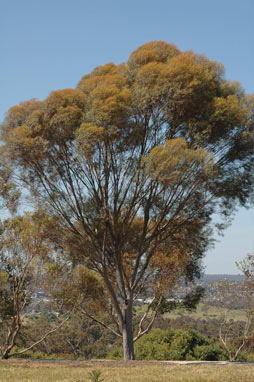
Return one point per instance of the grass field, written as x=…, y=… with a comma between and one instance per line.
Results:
x=118, y=371
x=206, y=311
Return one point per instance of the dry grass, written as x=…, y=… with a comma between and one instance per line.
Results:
x=115, y=371
x=205, y=311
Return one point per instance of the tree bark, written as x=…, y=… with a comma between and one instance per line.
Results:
x=128, y=344
x=11, y=341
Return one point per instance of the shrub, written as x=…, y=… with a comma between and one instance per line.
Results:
x=211, y=352
x=183, y=344
x=177, y=345
x=116, y=354
x=154, y=345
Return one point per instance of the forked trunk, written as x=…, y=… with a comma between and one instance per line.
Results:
x=5, y=355
x=128, y=346
x=10, y=343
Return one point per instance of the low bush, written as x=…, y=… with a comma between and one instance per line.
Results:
x=30, y=354
x=211, y=352
x=177, y=345
x=116, y=354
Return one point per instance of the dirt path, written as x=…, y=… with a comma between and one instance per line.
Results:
x=108, y=363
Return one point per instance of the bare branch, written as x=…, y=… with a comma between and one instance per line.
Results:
x=100, y=322
x=44, y=336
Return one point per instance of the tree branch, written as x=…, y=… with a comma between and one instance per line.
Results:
x=100, y=322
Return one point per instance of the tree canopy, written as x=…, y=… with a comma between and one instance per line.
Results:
x=24, y=250
x=133, y=163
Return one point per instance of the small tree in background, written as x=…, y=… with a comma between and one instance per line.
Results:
x=229, y=293
x=24, y=250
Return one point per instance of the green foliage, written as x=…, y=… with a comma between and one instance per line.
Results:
x=205, y=324
x=30, y=354
x=116, y=353
x=183, y=344
x=249, y=357
x=177, y=345
x=94, y=376
x=228, y=294
x=79, y=338
x=189, y=301
x=24, y=249
x=155, y=345
x=132, y=165
x=210, y=352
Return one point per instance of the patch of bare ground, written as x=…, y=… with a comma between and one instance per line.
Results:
x=109, y=363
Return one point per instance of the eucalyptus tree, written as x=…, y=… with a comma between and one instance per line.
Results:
x=228, y=295
x=133, y=163
x=25, y=250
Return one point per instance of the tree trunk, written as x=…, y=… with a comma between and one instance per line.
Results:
x=8, y=349
x=128, y=346
x=6, y=354
x=10, y=343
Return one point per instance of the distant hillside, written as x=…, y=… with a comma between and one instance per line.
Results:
x=217, y=277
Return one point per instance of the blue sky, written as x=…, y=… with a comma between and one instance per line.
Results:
x=51, y=44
